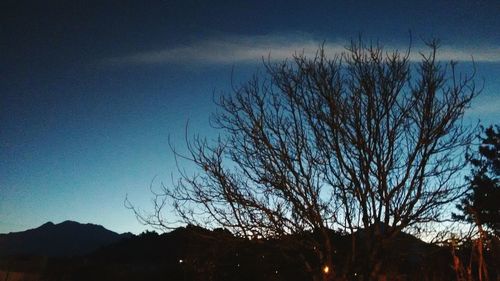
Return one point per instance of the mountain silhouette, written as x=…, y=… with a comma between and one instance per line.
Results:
x=65, y=239
x=90, y=252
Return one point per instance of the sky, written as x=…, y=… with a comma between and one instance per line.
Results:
x=92, y=91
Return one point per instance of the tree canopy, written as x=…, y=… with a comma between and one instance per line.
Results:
x=365, y=140
x=482, y=204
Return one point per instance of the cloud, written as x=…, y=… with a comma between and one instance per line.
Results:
x=478, y=54
x=228, y=51
x=251, y=49
x=485, y=107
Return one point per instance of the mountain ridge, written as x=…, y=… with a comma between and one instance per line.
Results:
x=196, y=253
x=68, y=238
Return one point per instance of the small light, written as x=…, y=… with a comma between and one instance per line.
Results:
x=276, y=272
x=181, y=261
x=326, y=269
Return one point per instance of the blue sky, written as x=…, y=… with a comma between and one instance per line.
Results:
x=90, y=91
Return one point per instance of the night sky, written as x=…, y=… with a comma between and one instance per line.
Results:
x=90, y=91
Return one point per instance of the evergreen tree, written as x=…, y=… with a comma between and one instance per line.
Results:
x=482, y=204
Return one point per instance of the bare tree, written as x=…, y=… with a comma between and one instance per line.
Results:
x=367, y=140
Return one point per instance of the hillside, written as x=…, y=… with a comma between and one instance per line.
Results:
x=68, y=238
x=195, y=253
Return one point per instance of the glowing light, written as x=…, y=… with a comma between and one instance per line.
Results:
x=326, y=269
x=181, y=261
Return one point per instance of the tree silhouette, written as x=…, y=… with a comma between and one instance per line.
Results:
x=364, y=141
x=481, y=205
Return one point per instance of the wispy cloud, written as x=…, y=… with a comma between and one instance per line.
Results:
x=229, y=50
x=479, y=54
x=251, y=49
x=485, y=107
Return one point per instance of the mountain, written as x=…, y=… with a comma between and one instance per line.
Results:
x=195, y=253
x=65, y=239
x=186, y=253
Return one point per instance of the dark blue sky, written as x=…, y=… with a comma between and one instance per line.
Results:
x=91, y=90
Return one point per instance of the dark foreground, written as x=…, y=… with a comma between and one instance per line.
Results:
x=194, y=253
